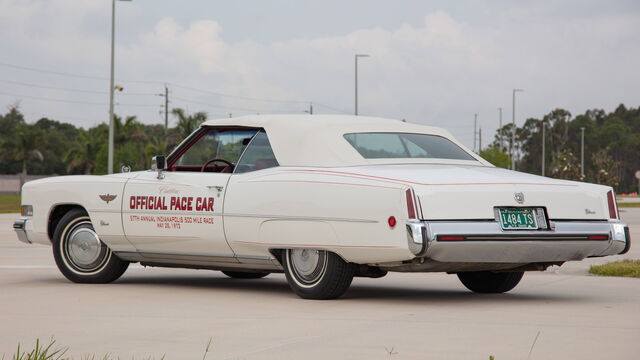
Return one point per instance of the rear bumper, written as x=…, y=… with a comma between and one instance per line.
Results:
x=485, y=241
x=20, y=227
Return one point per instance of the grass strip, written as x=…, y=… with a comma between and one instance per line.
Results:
x=624, y=268
x=629, y=204
x=9, y=203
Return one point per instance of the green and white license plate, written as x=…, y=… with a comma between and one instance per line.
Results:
x=518, y=218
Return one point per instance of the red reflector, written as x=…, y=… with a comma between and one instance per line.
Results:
x=450, y=237
x=613, y=214
x=411, y=208
x=392, y=221
x=598, y=237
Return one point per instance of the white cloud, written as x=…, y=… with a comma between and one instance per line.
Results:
x=440, y=71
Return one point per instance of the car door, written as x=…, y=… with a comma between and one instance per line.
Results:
x=179, y=211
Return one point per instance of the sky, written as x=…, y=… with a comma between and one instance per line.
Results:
x=430, y=62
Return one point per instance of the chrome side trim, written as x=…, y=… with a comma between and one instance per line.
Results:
x=292, y=217
x=20, y=227
x=193, y=259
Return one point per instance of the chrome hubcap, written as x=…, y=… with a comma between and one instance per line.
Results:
x=83, y=247
x=308, y=264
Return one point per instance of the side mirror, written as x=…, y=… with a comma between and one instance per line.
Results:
x=159, y=163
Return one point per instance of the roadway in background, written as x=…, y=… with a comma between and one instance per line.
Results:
x=152, y=312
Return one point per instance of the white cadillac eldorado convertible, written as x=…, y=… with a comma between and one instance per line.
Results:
x=322, y=199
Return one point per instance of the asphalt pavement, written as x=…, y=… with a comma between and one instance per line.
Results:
x=562, y=313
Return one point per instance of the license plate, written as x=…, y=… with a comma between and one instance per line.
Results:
x=518, y=219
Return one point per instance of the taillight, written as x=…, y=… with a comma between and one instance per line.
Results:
x=611, y=199
x=411, y=204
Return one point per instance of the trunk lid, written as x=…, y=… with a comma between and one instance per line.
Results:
x=463, y=192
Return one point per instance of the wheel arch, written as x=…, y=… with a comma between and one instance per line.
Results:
x=56, y=213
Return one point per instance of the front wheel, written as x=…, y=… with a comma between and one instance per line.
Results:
x=317, y=274
x=79, y=253
x=488, y=282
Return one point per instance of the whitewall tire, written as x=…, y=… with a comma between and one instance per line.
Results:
x=79, y=253
x=317, y=274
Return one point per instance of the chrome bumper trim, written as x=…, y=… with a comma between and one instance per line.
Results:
x=486, y=241
x=20, y=227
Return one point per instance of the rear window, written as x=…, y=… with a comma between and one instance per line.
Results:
x=404, y=145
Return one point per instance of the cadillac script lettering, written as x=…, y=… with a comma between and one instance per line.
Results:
x=179, y=203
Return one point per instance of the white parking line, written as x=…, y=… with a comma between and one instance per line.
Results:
x=27, y=267
x=13, y=267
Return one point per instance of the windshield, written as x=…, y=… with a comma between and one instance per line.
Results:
x=404, y=145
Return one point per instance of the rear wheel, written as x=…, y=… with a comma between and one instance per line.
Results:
x=245, y=275
x=317, y=274
x=79, y=253
x=490, y=282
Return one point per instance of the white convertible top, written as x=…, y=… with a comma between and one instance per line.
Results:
x=317, y=140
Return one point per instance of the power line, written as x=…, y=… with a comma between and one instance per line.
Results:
x=67, y=89
x=52, y=72
x=217, y=106
x=70, y=101
x=59, y=73
x=237, y=96
x=340, y=111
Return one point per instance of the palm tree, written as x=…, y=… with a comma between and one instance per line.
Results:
x=24, y=145
x=188, y=123
x=82, y=154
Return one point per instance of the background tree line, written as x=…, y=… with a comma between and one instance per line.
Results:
x=612, y=145
x=51, y=147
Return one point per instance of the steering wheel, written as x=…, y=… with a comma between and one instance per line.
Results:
x=228, y=163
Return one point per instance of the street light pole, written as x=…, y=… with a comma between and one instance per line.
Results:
x=500, y=126
x=475, y=131
x=356, y=84
x=513, y=131
x=543, y=146
x=111, y=87
x=582, y=152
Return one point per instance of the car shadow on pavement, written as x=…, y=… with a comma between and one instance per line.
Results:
x=448, y=296
x=268, y=284
x=275, y=285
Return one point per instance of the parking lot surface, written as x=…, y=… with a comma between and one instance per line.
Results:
x=562, y=313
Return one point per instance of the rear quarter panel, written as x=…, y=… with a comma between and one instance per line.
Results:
x=292, y=207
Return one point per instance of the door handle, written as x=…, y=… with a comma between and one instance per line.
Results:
x=216, y=187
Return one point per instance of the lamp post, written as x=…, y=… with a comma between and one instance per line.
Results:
x=111, y=87
x=356, y=87
x=543, y=146
x=475, y=131
x=513, y=131
x=582, y=152
x=500, y=126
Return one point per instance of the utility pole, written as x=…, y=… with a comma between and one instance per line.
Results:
x=543, y=145
x=479, y=139
x=166, y=108
x=475, y=132
x=513, y=131
x=356, y=84
x=500, y=127
x=582, y=152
